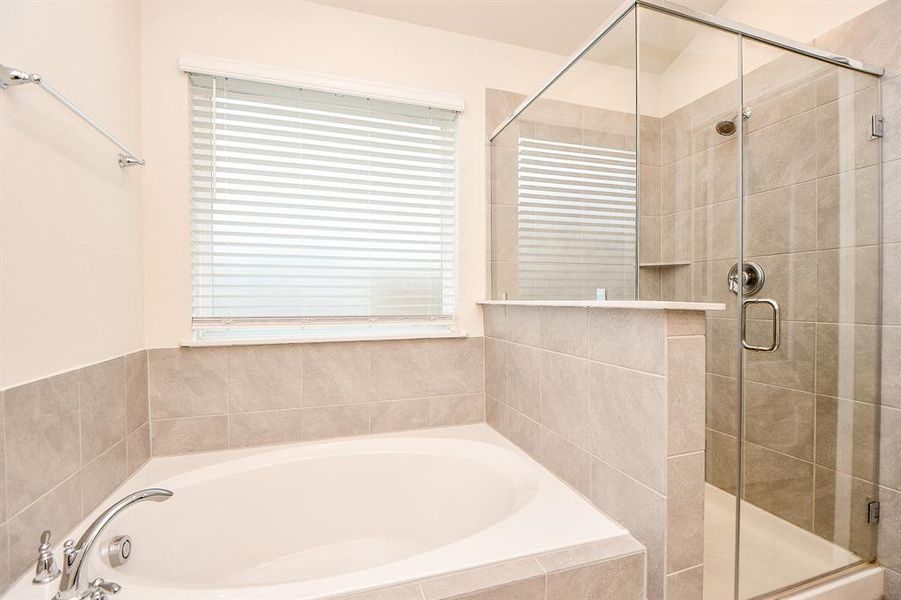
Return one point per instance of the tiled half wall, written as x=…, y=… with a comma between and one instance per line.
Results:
x=621, y=422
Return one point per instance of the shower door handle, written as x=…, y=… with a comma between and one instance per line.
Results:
x=777, y=325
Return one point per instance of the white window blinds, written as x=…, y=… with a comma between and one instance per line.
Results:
x=576, y=220
x=319, y=214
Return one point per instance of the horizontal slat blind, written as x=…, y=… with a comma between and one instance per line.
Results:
x=576, y=220
x=311, y=205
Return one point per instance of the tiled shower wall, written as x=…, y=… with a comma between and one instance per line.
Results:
x=811, y=221
x=621, y=422
x=873, y=37
x=69, y=440
x=573, y=259
x=805, y=398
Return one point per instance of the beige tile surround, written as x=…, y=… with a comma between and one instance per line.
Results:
x=68, y=442
x=573, y=268
x=822, y=217
x=812, y=215
x=214, y=398
x=873, y=37
x=606, y=570
x=80, y=434
x=621, y=422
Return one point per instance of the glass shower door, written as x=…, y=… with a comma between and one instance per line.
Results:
x=809, y=319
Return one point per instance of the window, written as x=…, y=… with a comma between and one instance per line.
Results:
x=318, y=214
x=576, y=220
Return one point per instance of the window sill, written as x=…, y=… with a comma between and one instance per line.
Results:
x=322, y=339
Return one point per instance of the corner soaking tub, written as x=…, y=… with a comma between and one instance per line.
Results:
x=319, y=519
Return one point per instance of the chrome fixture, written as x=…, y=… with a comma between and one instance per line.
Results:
x=99, y=588
x=46, y=569
x=726, y=127
x=877, y=126
x=751, y=280
x=12, y=77
x=119, y=551
x=777, y=325
x=70, y=585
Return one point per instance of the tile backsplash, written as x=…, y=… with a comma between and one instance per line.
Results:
x=231, y=397
x=69, y=440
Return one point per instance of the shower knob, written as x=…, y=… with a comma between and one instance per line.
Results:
x=119, y=550
x=751, y=278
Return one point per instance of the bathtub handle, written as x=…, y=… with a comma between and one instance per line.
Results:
x=100, y=588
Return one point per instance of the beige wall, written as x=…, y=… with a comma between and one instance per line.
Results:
x=87, y=250
x=70, y=234
x=315, y=38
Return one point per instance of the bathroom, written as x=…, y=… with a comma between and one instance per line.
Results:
x=430, y=299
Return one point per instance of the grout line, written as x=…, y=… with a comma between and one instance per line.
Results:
x=684, y=454
x=587, y=359
x=685, y=569
x=228, y=396
x=3, y=432
x=147, y=394
x=73, y=369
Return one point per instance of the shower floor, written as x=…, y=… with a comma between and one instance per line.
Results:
x=775, y=553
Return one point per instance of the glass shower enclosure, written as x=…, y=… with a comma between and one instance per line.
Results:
x=678, y=156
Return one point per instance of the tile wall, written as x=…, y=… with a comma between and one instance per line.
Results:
x=621, y=422
x=69, y=440
x=607, y=570
x=873, y=37
x=565, y=250
x=812, y=222
x=214, y=398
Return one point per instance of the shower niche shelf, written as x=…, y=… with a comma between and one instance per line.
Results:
x=662, y=265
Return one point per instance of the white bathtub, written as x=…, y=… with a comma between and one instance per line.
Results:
x=317, y=519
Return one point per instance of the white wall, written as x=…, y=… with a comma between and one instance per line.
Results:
x=70, y=234
x=311, y=37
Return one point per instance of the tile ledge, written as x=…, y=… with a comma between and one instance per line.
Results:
x=629, y=304
x=215, y=343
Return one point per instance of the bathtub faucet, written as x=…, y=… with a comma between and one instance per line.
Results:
x=70, y=584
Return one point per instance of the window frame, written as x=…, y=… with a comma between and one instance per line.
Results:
x=277, y=330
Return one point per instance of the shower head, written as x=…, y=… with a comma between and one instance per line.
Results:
x=725, y=127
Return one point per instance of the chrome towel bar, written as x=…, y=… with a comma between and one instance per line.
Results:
x=10, y=77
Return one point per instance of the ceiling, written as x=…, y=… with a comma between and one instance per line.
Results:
x=556, y=26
